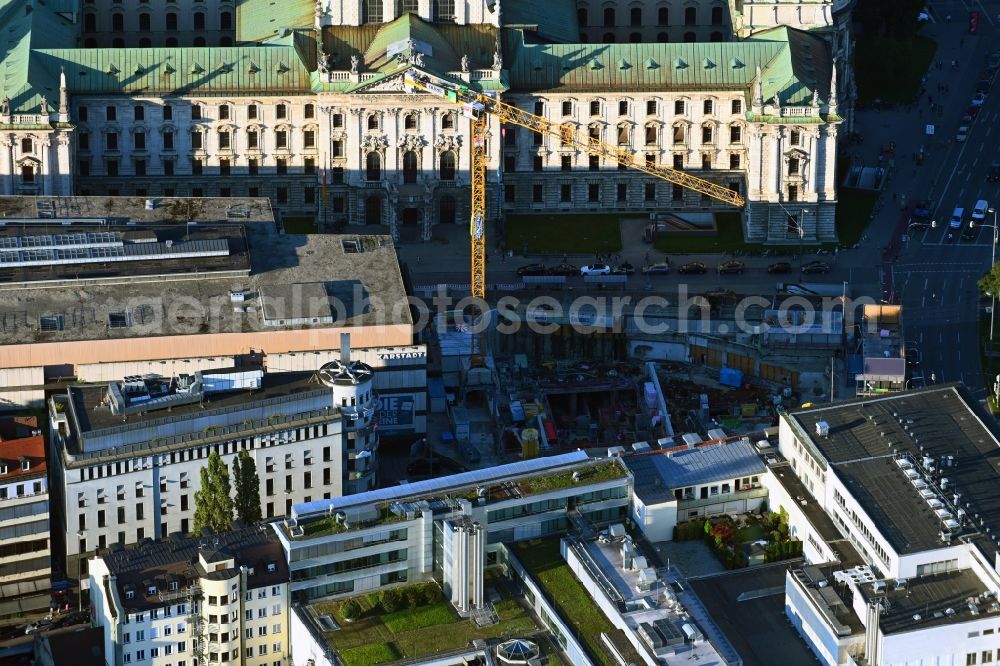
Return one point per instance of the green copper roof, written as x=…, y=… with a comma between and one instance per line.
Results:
x=793, y=64
x=27, y=25
x=553, y=20
x=181, y=71
x=257, y=20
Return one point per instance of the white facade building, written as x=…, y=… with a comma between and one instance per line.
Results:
x=183, y=601
x=215, y=100
x=907, y=481
x=127, y=456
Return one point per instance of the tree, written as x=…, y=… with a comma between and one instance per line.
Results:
x=350, y=609
x=247, y=488
x=213, y=504
x=989, y=284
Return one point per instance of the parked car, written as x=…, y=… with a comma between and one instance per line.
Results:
x=978, y=99
x=693, y=268
x=624, y=268
x=722, y=297
x=661, y=268
x=564, y=269
x=732, y=266
x=994, y=174
x=970, y=231
x=532, y=269
x=957, y=216
x=963, y=134
x=972, y=111
x=816, y=267
x=980, y=209
x=780, y=267
x=595, y=269
x=913, y=358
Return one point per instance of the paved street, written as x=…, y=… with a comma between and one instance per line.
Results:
x=932, y=275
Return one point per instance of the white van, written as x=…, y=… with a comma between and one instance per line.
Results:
x=956, y=218
x=979, y=212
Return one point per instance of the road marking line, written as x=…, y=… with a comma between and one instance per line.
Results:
x=923, y=301
x=960, y=355
x=926, y=282
x=981, y=146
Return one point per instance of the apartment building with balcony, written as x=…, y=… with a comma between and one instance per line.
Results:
x=25, y=586
x=214, y=599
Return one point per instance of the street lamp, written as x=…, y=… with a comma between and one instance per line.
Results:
x=932, y=224
x=993, y=260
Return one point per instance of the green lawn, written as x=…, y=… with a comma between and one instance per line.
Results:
x=728, y=237
x=854, y=208
x=749, y=534
x=890, y=69
x=299, y=225
x=378, y=637
x=542, y=559
x=563, y=234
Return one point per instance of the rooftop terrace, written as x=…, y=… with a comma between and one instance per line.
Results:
x=497, y=484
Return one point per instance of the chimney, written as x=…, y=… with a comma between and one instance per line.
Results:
x=345, y=348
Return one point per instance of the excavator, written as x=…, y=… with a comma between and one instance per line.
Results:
x=479, y=106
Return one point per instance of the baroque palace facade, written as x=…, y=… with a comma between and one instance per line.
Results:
x=303, y=101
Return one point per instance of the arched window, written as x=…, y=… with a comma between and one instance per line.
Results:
x=409, y=167
x=447, y=165
x=690, y=16
x=373, y=122
x=715, y=37
x=689, y=37
x=679, y=131
x=609, y=38
x=171, y=42
x=716, y=15
x=635, y=38
x=444, y=10
x=635, y=16
x=171, y=21
x=373, y=167
x=581, y=16
x=225, y=21
x=662, y=38
x=144, y=22
x=199, y=41
x=446, y=210
x=662, y=16
x=408, y=7
x=199, y=21
x=371, y=11
x=609, y=17
x=90, y=22
x=145, y=43
x=410, y=121
x=225, y=41
x=448, y=121
x=118, y=22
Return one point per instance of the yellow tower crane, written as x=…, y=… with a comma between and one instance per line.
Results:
x=479, y=106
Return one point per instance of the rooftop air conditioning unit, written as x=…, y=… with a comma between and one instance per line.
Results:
x=823, y=429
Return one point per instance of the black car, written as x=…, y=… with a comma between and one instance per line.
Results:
x=816, y=267
x=780, y=267
x=624, y=268
x=913, y=358
x=693, y=268
x=564, y=269
x=533, y=270
x=969, y=232
x=732, y=266
x=994, y=175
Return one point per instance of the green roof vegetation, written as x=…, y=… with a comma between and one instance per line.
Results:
x=545, y=483
x=330, y=525
x=378, y=636
x=577, y=609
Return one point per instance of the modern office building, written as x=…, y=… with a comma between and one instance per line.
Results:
x=910, y=481
x=114, y=288
x=445, y=527
x=217, y=599
x=127, y=455
x=687, y=483
x=306, y=105
x=25, y=586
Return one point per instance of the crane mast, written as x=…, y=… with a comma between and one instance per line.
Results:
x=479, y=106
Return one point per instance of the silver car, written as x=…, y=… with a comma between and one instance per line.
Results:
x=963, y=134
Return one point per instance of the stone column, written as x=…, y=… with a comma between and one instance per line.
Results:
x=47, y=186
x=64, y=160
x=393, y=161
x=7, y=180
x=355, y=159
x=775, y=188
x=389, y=10
x=814, y=156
